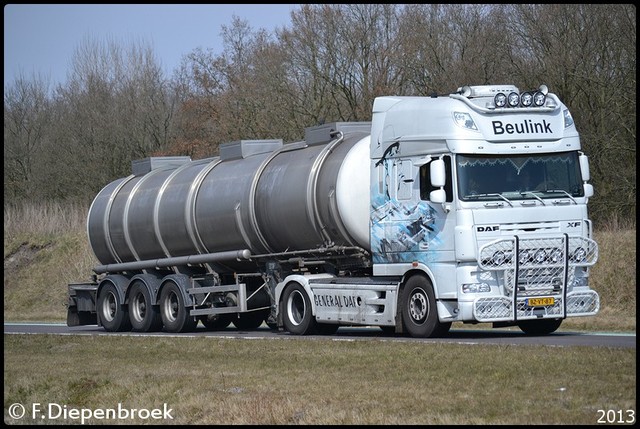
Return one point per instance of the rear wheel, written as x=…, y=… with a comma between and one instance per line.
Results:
x=419, y=311
x=297, y=311
x=217, y=322
x=144, y=316
x=539, y=327
x=174, y=313
x=111, y=310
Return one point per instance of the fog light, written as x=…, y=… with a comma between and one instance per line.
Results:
x=540, y=256
x=579, y=255
x=525, y=256
x=555, y=256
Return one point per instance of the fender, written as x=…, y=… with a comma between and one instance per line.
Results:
x=302, y=281
x=183, y=282
x=119, y=281
x=152, y=283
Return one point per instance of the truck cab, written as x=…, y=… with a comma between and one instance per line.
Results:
x=484, y=192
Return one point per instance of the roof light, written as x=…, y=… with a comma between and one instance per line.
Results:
x=526, y=99
x=500, y=100
x=513, y=99
x=539, y=99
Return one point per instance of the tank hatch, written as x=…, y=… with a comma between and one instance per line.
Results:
x=325, y=133
x=143, y=166
x=245, y=148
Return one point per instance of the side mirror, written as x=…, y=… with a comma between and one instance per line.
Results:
x=588, y=190
x=439, y=196
x=584, y=167
x=438, y=176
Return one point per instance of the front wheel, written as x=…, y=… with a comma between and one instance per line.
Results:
x=175, y=314
x=111, y=310
x=297, y=311
x=539, y=327
x=419, y=311
x=327, y=328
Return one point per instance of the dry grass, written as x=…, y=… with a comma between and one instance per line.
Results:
x=45, y=248
x=313, y=381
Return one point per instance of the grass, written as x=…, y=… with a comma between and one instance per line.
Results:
x=309, y=381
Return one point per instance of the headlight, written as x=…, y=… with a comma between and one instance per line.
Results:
x=500, y=100
x=476, y=288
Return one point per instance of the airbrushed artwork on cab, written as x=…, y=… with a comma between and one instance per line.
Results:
x=402, y=231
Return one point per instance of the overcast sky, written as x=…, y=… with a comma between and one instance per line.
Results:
x=41, y=38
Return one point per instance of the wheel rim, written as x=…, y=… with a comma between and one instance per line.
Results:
x=419, y=306
x=171, y=307
x=139, y=307
x=296, y=308
x=109, y=307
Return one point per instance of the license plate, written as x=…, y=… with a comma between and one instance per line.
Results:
x=540, y=302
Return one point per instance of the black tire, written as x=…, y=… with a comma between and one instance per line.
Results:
x=419, y=310
x=216, y=323
x=251, y=320
x=174, y=313
x=388, y=330
x=144, y=316
x=539, y=327
x=297, y=315
x=326, y=328
x=111, y=310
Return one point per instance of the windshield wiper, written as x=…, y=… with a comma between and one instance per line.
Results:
x=534, y=196
x=562, y=191
x=477, y=196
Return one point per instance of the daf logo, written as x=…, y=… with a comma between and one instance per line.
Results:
x=573, y=224
x=488, y=228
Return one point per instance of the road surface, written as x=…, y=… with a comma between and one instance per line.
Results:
x=457, y=336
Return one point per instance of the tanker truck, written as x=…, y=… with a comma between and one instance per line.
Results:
x=467, y=207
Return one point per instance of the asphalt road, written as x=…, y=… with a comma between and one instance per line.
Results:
x=457, y=336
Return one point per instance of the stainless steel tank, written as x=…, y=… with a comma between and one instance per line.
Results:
x=259, y=195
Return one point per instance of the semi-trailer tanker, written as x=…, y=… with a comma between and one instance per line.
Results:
x=468, y=207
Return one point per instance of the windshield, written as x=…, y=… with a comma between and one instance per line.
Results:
x=483, y=177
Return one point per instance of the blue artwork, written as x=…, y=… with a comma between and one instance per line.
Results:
x=401, y=231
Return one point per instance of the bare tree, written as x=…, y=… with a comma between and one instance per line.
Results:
x=27, y=117
x=115, y=108
x=587, y=55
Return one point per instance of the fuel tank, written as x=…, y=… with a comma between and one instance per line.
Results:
x=259, y=195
